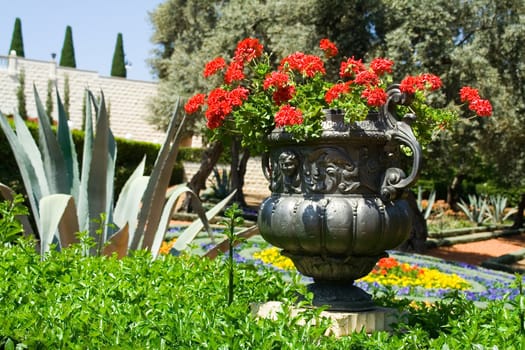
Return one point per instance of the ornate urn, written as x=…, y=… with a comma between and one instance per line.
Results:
x=337, y=201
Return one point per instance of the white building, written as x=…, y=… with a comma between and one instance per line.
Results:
x=126, y=99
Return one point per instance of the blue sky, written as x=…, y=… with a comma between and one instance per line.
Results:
x=95, y=25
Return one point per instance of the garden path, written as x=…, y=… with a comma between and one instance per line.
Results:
x=476, y=252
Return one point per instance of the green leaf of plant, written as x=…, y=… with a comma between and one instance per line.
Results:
x=8, y=194
x=27, y=171
x=154, y=196
x=83, y=210
x=58, y=212
x=65, y=141
x=191, y=231
x=167, y=212
x=101, y=173
x=54, y=163
x=129, y=204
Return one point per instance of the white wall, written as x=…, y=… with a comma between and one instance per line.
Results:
x=126, y=99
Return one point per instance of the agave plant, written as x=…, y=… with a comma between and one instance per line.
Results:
x=66, y=200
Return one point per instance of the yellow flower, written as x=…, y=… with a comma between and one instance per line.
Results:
x=166, y=246
x=272, y=256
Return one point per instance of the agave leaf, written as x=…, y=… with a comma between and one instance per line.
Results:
x=118, y=243
x=27, y=171
x=100, y=181
x=65, y=141
x=121, y=207
x=30, y=148
x=8, y=194
x=58, y=212
x=83, y=210
x=128, y=204
x=191, y=231
x=168, y=211
x=52, y=156
x=225, y=244
x=154, y=196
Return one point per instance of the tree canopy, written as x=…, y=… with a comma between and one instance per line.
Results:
x=466, y=42
x=17, y=41
x=67, y=56
x=118, y=66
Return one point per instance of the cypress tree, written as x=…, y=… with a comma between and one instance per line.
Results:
x=118, y=67
x=49, y=100
x=20, y=95
x=17, y=42
x=67, y=57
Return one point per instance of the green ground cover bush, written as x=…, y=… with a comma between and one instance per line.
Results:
x=75, y=302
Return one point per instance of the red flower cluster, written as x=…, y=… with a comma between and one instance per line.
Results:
x=335, y=91
x=369, y=78
x=308, y=65
x=214, y=66
x=329, y=48
x=221, y=103
x=391, y=265
x=381, y=66
x=481, y=107
x=248, y=50
x=288, y=115
x=351, y=67
x=375, y=96
x=298, y=90
x=195, y=103
x=426, y=81
x=283, y=91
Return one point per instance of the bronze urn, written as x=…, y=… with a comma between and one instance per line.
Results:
x=336, y=201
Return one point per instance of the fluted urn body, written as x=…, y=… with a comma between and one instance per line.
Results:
x=336, y=202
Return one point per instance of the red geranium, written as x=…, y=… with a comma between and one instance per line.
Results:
x=375, y=96
x=214, y=66
x=329, y=48
x=308, y=65
x=288, y=115
x=254, y=97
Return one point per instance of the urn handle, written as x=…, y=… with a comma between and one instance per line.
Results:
x=395, y=180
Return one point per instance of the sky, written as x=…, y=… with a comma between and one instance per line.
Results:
x=95, y=25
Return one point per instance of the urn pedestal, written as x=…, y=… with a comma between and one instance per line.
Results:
x=337, y=201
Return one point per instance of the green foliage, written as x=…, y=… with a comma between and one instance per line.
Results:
x=67, y=56
x=137, y=302
x=17, y=42
x=476, y=210
x=220, y=187
x=66, y=199
x=66, y=95
x=49, y=100
x=21, y=95
x=233, y=219
x=118, y=65
x=431, y=200
x=10, y=227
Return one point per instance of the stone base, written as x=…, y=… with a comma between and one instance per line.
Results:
x=343, y=323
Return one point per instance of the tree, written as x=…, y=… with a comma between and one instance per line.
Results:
x=17, y=42
x=118, y=67
x=67, y=92
x=190, y=33
x=20, y=94
x=67, y=56
x=49, y=100
x=479, y=43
